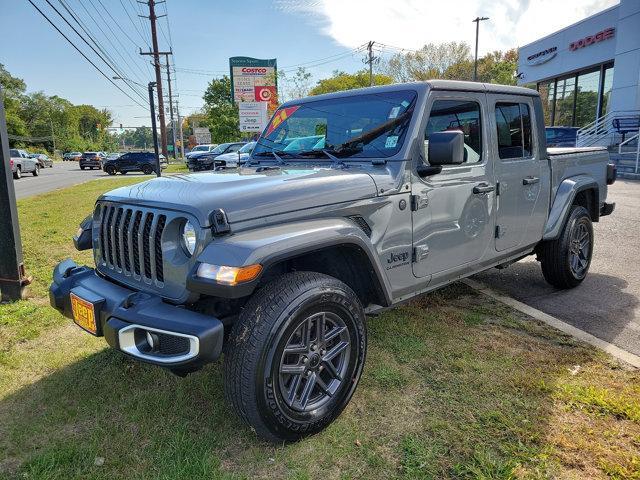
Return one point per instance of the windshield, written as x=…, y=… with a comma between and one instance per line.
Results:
x=14, y=153
x=201, y=148
x=220, y=148
x=362, y=126
x=248, y=147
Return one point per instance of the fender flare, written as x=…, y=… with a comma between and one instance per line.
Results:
x=565, y=195
x=271, y=245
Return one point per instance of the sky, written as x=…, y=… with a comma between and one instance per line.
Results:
x=322, y=35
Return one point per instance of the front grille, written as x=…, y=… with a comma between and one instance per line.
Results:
x=131, y=242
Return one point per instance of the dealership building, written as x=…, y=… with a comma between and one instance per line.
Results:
x=588, y=73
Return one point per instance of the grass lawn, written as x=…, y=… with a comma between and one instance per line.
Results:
x=455, y=386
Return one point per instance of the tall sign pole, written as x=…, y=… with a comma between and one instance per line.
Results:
x=12, y=274
x=154, y=129
x=477, y=21
x=156, y=63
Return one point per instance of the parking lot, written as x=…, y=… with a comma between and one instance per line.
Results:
x=607, y=304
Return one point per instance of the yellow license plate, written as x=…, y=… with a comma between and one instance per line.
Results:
x=83, y=314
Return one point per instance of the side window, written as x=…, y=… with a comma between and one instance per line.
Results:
x=447, y=115
x=513, y=123
x=234, y=148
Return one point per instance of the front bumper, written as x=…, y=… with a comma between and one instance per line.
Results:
x=139, y=324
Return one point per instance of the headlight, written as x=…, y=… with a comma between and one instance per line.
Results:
x=189, y=238
x=229, y=275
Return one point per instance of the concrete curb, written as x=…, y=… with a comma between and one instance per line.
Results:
x=617, y=352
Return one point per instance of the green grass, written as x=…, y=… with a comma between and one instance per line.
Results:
x=456, y=386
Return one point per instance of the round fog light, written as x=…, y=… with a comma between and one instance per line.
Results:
x=151, y=340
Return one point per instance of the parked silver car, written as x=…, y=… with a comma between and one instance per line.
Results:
x=21, y=163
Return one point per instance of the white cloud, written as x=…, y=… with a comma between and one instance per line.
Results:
x=412, y=23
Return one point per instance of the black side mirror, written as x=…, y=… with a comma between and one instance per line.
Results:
x=446, y=148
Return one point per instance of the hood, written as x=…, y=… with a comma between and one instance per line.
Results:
x=250, y=193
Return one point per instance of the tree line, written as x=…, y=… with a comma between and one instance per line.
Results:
x=38, y=121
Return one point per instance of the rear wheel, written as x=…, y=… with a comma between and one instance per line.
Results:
x=295, y=355
x=18, y=173
x=81, y=167
x=566, y=260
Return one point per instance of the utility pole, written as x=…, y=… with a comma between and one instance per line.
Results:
x=173, y=124
x=156, y=63
x=13, y=279
x=153, y=129
x=477, y=21
x=180, y=129
x=370, y=60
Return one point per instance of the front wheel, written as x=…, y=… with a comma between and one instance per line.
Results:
x=565, y=261
x=36, y=171
x=295, y=355
x=111, y=170
x=147, y=170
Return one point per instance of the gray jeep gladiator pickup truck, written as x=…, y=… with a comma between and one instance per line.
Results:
x=350, y=203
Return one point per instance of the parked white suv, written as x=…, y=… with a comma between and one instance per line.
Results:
x=205, y=148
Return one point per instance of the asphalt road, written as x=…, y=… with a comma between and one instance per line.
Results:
x=63, y=174
x=607, y=303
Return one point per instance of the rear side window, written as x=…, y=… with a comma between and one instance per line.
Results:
x=513, y=123
x=448, y=115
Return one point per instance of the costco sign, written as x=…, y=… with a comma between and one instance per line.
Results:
x=605, y=34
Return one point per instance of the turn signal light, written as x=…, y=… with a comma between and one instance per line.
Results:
x=229, y=275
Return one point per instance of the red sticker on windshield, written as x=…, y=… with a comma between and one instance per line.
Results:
x=279, y=117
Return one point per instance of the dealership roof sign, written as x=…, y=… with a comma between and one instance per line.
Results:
x=591, y=39
x=542, y=56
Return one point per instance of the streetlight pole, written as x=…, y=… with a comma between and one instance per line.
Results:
x=477, y=21
x=153, y=127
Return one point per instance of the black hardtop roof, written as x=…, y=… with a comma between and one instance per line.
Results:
x=456, y=85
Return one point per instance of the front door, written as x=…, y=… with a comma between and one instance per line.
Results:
x=521, y=210
x=453, y=210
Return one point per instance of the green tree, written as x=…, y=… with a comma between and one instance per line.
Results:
x=221, y=112
x=340, y=81
x=430, y=61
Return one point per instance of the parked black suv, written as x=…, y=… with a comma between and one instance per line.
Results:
x=144, y=162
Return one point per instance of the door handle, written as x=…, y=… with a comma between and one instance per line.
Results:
x=483, y=188
x=530, y=180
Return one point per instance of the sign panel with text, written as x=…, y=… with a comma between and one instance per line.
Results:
x=253, y=116
x=254, y=80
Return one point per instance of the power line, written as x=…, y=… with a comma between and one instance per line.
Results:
x=117, y=37
x=85, y=41
x=82, y=53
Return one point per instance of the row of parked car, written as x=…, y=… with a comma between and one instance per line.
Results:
x=21, y=161
x=224, y=155
x=117, y=162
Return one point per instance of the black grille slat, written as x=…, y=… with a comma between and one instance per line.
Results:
x=136, y=244
x=109, y=237
x=117, y=238
x=102, y=236
x=162, y=220
x=125, y=237
x=146, y=232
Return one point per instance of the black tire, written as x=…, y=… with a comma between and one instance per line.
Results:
x=124, y=172
x=147, y=169
x=566, y=260
x=111, y=170
x=18, y=173
x=36, y=172
x=255, y=360
x=81, y=168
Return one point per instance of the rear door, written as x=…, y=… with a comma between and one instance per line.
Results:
x=453, y=210
x=520, y=172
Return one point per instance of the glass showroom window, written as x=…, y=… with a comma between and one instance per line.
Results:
x=565, y=92
x=587, y=98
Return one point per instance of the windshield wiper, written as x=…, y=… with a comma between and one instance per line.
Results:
x=277, y=154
